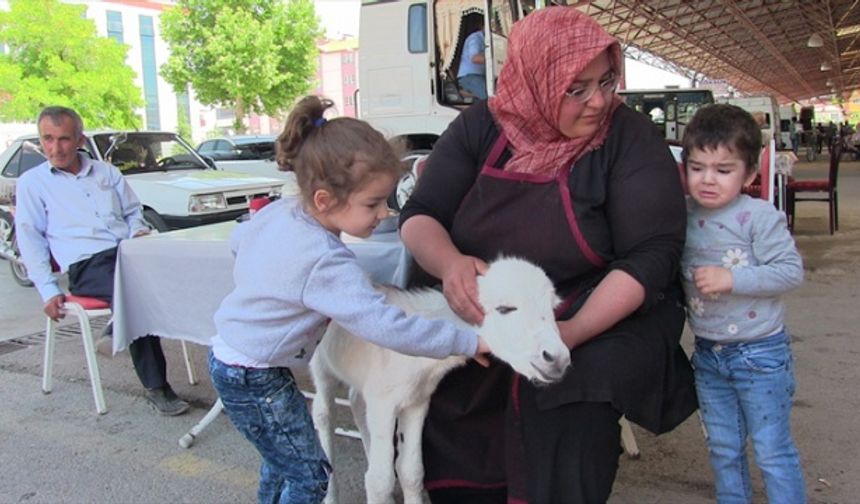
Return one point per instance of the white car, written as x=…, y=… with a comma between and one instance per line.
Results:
x=177, y=187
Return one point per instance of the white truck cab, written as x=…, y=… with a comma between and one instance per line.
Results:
x=409, y=56
x=410, y=52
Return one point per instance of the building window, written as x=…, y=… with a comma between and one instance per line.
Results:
x=348, y=57
x=224, y=114
x=347, y=100
x=114, y=25
x=417, y=28
x=150, y=72
x=349, y=80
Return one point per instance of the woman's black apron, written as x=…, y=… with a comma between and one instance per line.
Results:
x=637, y=365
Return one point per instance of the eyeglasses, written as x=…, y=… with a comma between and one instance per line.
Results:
x=581, y=93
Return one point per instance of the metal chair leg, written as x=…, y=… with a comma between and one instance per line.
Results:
x=188, y=439
x=834, y=209
x=192, y=378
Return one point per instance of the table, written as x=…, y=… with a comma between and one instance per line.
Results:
x=170, y=284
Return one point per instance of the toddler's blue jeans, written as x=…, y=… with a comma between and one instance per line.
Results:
x=745, y=390
x=269, y=409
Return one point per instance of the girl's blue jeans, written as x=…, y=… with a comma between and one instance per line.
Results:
x=269, y=409
x=745, y=390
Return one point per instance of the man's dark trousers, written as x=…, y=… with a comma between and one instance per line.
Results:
x=93, y=277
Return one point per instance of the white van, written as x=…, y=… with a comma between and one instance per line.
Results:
x=771, y=110
x=786, y=112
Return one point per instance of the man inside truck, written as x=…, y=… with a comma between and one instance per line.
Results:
x=471, y=75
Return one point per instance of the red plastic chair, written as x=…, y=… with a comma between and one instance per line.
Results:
x=764, y=184
x=257, y=203
x=818, y=190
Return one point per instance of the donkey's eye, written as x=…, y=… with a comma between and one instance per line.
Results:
x=505, y=309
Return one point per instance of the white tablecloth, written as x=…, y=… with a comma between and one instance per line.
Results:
x=170, y=284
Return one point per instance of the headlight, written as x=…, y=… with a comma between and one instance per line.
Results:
x=206, y=202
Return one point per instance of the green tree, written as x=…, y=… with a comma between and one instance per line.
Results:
x=248, y=55
x=54, y=56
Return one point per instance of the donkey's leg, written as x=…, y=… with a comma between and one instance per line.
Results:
x=359, y=416
x=379, y=478
x=410, y=466
x=322, y=406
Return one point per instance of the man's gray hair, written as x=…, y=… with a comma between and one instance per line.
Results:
x=56, y=114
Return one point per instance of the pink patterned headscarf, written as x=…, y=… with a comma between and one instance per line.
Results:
x=546, y=51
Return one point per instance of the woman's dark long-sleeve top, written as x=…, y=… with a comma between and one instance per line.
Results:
x=627, y=196
x=627, y=213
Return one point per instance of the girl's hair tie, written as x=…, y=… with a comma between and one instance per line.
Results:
x=319, y=122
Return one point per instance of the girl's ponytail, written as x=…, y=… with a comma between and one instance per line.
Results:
x=305, y=118
x=338, y=156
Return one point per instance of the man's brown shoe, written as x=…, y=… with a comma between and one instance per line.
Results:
x=164, y=400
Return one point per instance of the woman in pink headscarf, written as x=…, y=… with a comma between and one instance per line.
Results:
x=557, y=170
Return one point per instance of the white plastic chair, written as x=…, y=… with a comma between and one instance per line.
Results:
x=85, y=308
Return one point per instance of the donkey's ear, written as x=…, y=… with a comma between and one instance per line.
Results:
x=503, y=309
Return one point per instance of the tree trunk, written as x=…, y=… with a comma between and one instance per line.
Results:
x=239, y=119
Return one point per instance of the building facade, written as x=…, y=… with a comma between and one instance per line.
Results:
x=337, y=74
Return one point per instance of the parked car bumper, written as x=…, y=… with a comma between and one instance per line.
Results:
x=186, y=221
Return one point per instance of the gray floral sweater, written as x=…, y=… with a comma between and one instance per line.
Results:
x=749, y=237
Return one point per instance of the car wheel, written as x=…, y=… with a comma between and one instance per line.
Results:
x=405, y=186
x=19, y=271
x=154, y=220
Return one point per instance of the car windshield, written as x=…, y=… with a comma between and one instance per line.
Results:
x=144, y=152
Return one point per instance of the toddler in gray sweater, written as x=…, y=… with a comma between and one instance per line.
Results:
x=738, y=258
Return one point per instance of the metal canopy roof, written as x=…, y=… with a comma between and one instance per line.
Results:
x=758, y=47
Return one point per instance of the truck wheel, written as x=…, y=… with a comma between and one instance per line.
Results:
x=154, y=220
x=19, y=271
x=406, y=184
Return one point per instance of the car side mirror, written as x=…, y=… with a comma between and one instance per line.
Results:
x=210, y=162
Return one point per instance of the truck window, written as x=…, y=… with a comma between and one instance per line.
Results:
x=417, y=28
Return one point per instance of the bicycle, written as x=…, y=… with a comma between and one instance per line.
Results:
x=9, y=247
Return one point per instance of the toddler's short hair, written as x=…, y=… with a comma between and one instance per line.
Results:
x=726, y=125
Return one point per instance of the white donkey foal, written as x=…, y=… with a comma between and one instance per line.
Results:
x=389, y=389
